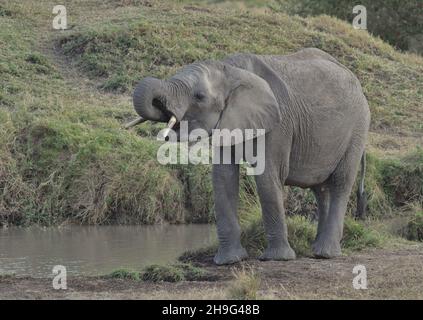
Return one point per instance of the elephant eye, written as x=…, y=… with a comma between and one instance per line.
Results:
x=199, y=96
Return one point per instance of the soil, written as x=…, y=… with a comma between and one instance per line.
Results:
x=391, y=274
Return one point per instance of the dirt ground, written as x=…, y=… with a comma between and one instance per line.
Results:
x=391, y=274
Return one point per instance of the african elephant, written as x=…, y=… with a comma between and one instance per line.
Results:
x=316, y=120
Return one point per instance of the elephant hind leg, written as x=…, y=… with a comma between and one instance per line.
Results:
x=340, y=183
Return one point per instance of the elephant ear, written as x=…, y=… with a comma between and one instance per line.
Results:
x=250, y=104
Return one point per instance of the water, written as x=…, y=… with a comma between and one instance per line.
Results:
x=88, y=250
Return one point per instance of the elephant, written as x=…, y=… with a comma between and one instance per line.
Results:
x=316, y=120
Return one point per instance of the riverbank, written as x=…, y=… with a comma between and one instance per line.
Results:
x=65, y=95
x=65, y=159
x=396, y=273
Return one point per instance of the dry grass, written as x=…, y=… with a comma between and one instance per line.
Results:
x=245, y=285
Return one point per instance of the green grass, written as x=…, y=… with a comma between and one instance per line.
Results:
x=301, y=233
x=160, y=39
x=413, y=230
x=124, y=275
x=164, y=273
x=397, y=22
x=403, y=179
x=6, y=276
x=175, y=273
x=65, y=95
x=357, y=236
x=158, y=273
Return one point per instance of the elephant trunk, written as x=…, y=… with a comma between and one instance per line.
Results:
x=150, y=99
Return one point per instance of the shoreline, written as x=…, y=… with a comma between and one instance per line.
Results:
x=392, y=273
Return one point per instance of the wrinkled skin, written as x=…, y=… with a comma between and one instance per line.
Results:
x=316, y=120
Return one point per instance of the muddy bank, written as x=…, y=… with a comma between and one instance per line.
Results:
x=391, y=274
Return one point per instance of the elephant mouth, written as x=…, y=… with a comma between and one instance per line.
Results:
x=165, y=113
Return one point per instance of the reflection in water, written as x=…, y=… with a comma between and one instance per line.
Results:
x=93, y=250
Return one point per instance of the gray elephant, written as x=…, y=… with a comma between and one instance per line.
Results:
x=316, y=120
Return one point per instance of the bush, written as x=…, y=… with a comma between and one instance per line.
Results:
x=414, y=229
x=357, y=237
x=403, y=179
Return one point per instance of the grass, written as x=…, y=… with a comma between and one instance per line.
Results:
x=397, y=22
x=158, y=273
x=6, y=276
x=245, y=285
x=175, y=273
x=413, y=230
x=65, y=95
x=124, y=275
x=301, y=233
x=164, y=273
x=160, y=39
x=357, y=236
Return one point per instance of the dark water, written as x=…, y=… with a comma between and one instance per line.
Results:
x=96, y=250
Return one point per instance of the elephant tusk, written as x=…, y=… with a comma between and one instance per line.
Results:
x=170, y=125
x=134, y=122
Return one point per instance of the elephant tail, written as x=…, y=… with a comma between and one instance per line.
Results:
x=361, y=193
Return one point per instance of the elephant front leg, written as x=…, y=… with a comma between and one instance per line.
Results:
x=226, y=194
x=271, y=199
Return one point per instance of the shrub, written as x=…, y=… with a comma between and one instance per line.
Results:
x=357, y=237
x=403, y=178
x=414, y=229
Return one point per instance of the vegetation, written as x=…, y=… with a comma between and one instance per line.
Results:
x=357, y=236
x=5, y=276
x=65, y=94
x=414, y=229
x=399, y=22
x=245, y=285
x=175, y=273
x=300, y=229
x=164, y=273
x=124, y=274
x=157, y=273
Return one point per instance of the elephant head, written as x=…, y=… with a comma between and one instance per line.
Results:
x=208, y=95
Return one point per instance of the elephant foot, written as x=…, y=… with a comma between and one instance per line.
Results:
x=326, y=248
x=280, y=253
x=230, y=256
